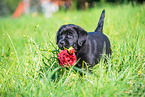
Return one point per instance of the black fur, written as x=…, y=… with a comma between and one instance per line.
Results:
x=89, y=47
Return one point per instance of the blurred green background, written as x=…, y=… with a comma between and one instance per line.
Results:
x=7, y=7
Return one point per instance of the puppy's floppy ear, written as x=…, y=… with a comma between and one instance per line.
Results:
x=58, y=32
x=82, y=35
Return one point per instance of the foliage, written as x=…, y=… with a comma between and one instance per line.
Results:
x=10, y=5
x=29, y=66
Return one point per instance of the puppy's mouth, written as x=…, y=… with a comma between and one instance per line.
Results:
x=62, y=47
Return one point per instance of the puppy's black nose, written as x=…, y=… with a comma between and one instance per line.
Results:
x=62, y=43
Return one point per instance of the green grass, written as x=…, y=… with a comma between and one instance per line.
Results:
x=28, y=51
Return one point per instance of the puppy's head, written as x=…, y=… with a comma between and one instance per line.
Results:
x=70, y=35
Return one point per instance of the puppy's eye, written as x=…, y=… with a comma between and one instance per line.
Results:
x=69, y=36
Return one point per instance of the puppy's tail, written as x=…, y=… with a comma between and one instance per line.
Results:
x=101, y=22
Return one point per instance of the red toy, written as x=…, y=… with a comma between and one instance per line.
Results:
x=67, y=57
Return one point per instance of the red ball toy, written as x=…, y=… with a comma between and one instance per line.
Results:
x=67, y=57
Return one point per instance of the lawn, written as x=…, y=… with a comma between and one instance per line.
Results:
x=28, y=55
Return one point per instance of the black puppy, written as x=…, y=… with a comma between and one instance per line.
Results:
x=89, y=47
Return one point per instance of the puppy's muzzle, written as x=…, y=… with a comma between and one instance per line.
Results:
x=63, y=44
